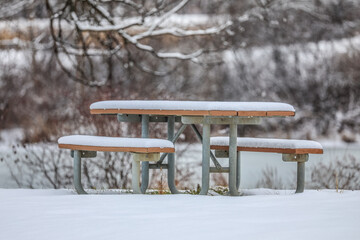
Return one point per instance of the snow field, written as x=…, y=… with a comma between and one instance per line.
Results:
x=259, y=214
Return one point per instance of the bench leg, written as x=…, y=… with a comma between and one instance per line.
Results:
x=205, y=174
x=233, y=160
x=300, y=184
x=238, y=171
x=135, y=171
x=171, y=157
x=77, y=173
x=144, y=165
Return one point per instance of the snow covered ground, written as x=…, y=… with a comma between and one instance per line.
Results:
x=258, y=214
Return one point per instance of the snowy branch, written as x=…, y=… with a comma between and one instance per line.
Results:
x=99, y=31
x=11, y=8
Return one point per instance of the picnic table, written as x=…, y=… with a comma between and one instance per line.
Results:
x=206, y=113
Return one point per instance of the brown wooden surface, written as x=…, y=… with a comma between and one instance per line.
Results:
x=117, y=149
x=222, y=113
x=280, y=113
x=272, y=150
x=193, y=113
x=150, y=112
x=251, y=113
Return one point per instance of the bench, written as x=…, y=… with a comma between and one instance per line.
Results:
x=291, y=150
x=142, y=149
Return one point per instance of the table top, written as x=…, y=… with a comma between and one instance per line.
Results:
x=192, y=108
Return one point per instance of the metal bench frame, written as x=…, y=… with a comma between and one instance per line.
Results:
x=135, y=170
x=300, y=159
x=170, y=166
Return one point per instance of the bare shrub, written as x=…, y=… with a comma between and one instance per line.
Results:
x=40, y=166
x=271, y=179
x=341, y=174
x=219, y=179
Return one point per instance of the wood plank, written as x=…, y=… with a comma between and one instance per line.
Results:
x=280, y=113
x=271, y=150
x=251, y=113
x=222, y=113
x=193, y=112
x=164, y=112
x=117, y=149
x=150, y=112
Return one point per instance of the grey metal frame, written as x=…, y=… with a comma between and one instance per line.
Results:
x=77, y=173
x=145, y=165
x=300, y=159
x=136, y=159
x=77, y=155
x=170, y=166
x=135, y=169
x=234, y=156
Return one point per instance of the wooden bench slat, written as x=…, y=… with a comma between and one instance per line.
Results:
x=287, y=146
x=117, y=149
x=271, y=150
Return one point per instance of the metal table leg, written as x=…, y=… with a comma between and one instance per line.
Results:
x=205, y=159
x=238, y=171
x=233, y=160
x=135, y=172
x=144, y=165
x=300, y=185
x=171, y=156
x=77, y=173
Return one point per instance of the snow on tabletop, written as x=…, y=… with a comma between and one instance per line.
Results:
x=85, y=140
x=267, y=143
x=260, y=214
x=192, y=105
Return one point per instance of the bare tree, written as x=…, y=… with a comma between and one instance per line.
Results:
x=117, y=34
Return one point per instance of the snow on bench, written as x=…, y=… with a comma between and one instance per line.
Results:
x=199, y=108
x=142, y=149
x=287, y=146
x=115, y=144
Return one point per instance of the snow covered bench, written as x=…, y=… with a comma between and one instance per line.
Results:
x=291, y=150
x=143, y=149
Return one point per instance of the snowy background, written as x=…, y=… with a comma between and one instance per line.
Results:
x=58, y=57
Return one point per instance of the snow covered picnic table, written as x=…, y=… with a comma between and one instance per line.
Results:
x=205, y=113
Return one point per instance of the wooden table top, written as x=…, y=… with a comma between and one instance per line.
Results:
x=192, y=108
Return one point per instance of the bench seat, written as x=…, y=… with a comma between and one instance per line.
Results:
x=142, y=149
x=115, y=144
x=287, y=146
